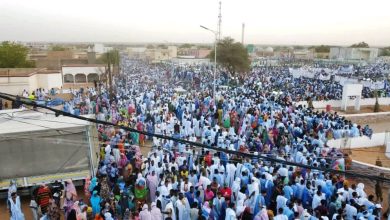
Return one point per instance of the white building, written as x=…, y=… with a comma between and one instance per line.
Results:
x=82, y=73
x=15, y=80
x=347, y=53
x=136, y=52
x=100, y=48
x=158, y=55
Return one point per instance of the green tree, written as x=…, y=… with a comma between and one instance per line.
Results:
x=186, y=46
x=112, y=59
x=112, y=56
x=13, y=55
x=162, y=46
x=322, y=49
x=385, y=51
x=150, y=46
x=232, y=55
x=360, y=45
x=299, y=47
x=58, y=48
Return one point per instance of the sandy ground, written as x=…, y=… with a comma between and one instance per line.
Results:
x=371, y=155
x=380, y=126
x=364, y=109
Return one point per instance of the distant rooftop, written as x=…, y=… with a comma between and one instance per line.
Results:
x=24, y=72
x=84, y=65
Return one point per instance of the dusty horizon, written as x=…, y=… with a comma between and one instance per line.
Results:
x=280, y=22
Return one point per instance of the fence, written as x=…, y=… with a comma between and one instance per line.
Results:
x=337, y=103
x=377, y=139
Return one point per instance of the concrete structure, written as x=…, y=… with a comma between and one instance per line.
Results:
x=377, y=139
x=264, y=52
x=347, y=53
x=14, y=81
x=54, y=60
x=51, y=59
x=303, y=54
x=190, y=61
x=83, y=73
x=100, y=48
x=38, y=147
x=349, y=90
x=136, y=52
x=194, y=52
x=337, y=103
x=157, y=55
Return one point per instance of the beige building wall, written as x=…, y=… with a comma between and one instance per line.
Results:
x=48, y=81
x=29, y=79
x=14, y=85
x=172, y=51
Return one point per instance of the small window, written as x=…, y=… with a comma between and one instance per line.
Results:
x=68, y=78
x=81, y=78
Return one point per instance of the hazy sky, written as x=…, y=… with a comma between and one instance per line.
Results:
x=339, y=22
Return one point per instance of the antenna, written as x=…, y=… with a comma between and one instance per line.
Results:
x=219, y=21
x=242, y=34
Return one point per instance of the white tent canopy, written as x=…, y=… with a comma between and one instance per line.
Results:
x=38, y=147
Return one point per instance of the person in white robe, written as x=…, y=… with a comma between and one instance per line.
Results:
x=15, y=207
x=182, y=208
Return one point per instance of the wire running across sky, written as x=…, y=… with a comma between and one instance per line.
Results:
x=231, y=152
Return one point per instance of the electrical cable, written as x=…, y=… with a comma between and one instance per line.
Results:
x=59, y=112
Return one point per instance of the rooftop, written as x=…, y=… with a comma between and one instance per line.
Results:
x=21, y=121
x=84, y=65
x=24, y=72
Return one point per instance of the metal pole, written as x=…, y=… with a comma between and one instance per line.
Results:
x=215, y=67
x=92, y=166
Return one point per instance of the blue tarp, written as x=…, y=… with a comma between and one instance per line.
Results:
x=55, y=102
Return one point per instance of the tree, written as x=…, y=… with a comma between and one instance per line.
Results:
x=112, y=56
x=322, y=49
x=150, y=46
x=360, y=45
x=385, y=51
x=162, y=46
x=232, y=55
x=58, y=48
x=299, y=47
x=13, y=55
x=186, y=46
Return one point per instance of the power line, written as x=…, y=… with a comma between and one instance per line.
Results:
x=59, y=112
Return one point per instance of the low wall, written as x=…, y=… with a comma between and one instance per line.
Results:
x=337, y=103
x=369, y=169
x=377, y=139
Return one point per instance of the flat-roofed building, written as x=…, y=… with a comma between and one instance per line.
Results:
x=82, y=74
x=15, y=80
x=347, y=53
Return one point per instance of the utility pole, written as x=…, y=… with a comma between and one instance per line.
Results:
x=242, y=34
x=109, y=73
x=219, y=21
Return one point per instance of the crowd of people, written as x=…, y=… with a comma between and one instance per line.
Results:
x=317, y=88
x=179, y=180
